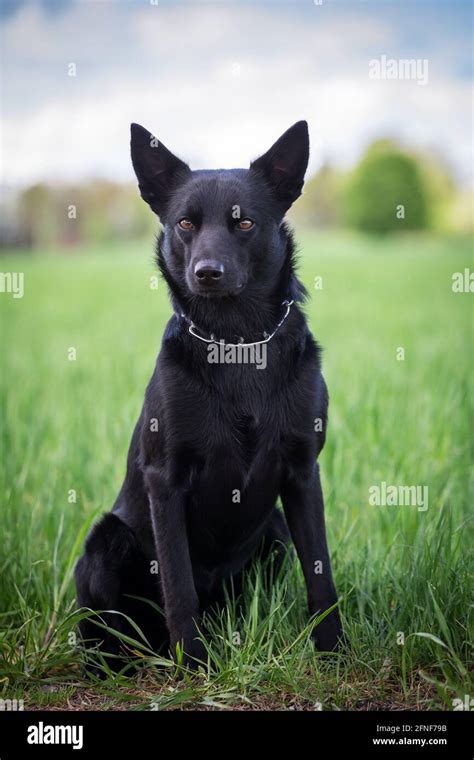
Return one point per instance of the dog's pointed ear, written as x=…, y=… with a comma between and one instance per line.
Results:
x=158, y=171
x=283, y=166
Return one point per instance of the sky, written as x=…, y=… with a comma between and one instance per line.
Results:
x=219, y=81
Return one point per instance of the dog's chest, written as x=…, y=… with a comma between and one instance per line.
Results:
x=244, y=445
x=240, y=477
x=228, y=429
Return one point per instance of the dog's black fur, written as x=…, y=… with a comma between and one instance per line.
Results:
x=223, y=429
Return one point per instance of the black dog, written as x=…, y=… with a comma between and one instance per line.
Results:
x=217, y=442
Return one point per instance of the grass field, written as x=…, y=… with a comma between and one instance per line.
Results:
x=402, y=573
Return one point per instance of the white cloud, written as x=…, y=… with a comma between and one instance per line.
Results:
x=217, y=85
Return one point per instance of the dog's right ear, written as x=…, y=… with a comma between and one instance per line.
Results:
x=158, y=171
x=283, y=166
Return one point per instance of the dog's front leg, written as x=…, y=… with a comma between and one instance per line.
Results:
x=303, y=504
x=176, y=574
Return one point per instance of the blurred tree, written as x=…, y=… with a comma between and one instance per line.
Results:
x=390, y=189
x=98, y=212
x=320, y=204
x=442, y=191
x=36, y=215
x=115, y=212
x=461, y=213
x=386, y=191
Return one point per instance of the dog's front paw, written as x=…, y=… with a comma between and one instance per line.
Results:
x=188, y=649
x=195, y=655
x=328, y=635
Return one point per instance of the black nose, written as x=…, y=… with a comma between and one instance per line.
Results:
x=208, y=271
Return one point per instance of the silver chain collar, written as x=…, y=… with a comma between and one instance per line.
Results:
x=213, y=339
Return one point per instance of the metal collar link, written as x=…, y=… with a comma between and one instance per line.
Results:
x=266, y=338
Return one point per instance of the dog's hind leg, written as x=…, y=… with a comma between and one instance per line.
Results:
x=276, y=543
x=111, y=571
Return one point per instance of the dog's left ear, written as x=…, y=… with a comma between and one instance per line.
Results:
x=158, y=170
x=283, y=166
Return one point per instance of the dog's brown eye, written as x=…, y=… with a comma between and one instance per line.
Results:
x=245, y=224
x=186, y=224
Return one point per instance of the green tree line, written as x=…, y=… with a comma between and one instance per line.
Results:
x=390, y=189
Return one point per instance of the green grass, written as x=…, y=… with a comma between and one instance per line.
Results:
x=67, y=425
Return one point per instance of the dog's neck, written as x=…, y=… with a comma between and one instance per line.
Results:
x=251, y=314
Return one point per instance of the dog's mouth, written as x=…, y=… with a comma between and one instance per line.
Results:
x=218, y=291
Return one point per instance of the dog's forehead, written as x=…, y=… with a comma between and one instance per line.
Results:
x=218, y=189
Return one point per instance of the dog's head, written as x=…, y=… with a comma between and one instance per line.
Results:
x=221, y=229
